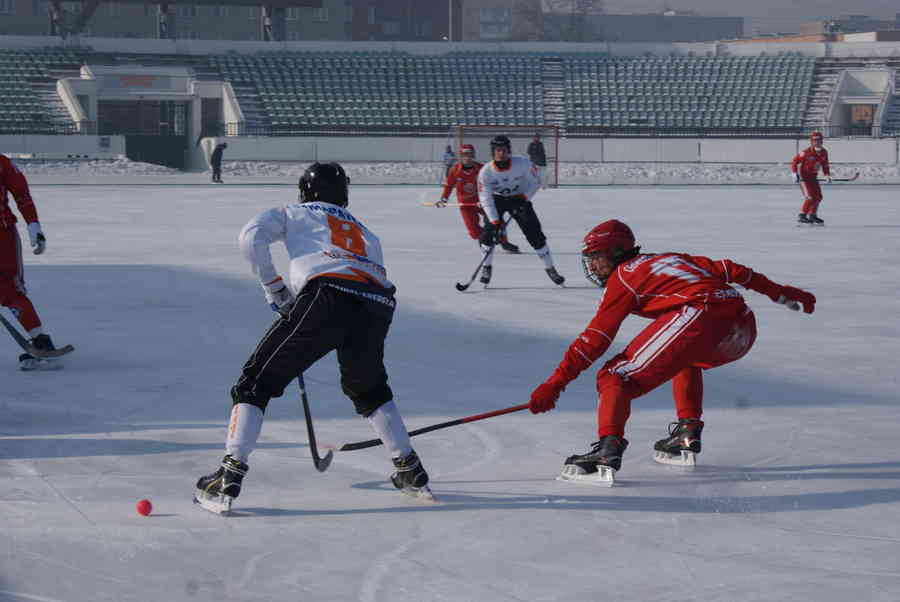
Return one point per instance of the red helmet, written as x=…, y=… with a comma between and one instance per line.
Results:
x=613, y=239
x=467, y=149
x=815, y=135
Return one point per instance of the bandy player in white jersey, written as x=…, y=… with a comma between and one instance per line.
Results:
x=506, y=185
x=344, y=302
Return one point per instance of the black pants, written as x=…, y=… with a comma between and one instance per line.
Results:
x=322, y=319
x=217, y=172
x=524, y=215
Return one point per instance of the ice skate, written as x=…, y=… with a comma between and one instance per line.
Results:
x=215, y=492
x=485, y=275
x=802, y=219
x=815, y=220
x=28, y=362
x=555, y=276
x=682, y=445
x=411, y=478
x=509, y=247
x=598, y=466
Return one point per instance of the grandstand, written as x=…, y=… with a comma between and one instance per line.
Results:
x=399, y=89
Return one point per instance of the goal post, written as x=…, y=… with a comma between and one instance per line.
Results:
x=520, y=137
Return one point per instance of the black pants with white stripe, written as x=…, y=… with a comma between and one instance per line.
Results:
x=322, y=319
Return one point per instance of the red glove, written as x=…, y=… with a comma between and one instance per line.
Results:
x=543, y=399
x=793, y=298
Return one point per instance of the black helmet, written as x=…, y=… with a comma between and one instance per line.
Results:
x=498, y=141
x=325, y=183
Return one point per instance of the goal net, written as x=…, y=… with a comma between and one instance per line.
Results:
x=520, y=136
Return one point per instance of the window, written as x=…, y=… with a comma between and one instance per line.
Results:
x=114, y=9
x=294, y=36
x=391, y=28
x=186, y=10
x=292, y=13
x=187, y=34
x=495, y=23
x=371, y=15
x=39, y=8
x=253, y=12
x=219, y=11
x=6, y=7
x=320, y=15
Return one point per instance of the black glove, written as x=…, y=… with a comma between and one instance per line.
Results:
x=490, y=235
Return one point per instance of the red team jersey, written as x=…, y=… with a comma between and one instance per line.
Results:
x=12, y=181
x=808, y=163
x=650, y=286
x=465, y=181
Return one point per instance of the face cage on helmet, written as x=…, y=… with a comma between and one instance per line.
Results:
x=589, y=271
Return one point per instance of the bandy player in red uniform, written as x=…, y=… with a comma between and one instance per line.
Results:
x=12, y=283
x=805, y=169
x=463, y=176
x=699, y=322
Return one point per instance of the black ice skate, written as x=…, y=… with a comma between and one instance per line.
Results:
x=802, y=219
x=28, y=362
x=598, y=466
x=486, y=275
x=216, y=491
x=682, y=445
x=815, y=220
x=555, y=276
x=509, y=247
x=411, y=478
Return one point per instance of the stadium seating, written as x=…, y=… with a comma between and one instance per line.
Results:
x=687, y=92
x=22, y=72
x=390, y=89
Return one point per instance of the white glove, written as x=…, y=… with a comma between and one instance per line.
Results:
x=38, y=241
x=279, y=296
x=796, y=176
x=828, y=179
x=441, y=203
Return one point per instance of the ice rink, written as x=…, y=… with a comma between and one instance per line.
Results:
x=797, y=496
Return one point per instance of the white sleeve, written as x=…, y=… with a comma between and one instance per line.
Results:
x=486, y=194
x=255, y=237
x=532, y=180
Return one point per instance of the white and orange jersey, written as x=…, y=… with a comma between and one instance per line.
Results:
x=520, y=179
x=322, y=240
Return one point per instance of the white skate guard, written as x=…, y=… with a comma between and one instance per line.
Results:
x=684, y=459
x=604, y=477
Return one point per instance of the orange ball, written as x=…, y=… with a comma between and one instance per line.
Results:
x=144, y=507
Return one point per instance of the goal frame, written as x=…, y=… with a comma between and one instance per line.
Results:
x=462, y=132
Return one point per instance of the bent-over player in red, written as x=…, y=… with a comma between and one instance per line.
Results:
x=699, y=322
x=463, y=177
x=805, y=170
x=12, y=282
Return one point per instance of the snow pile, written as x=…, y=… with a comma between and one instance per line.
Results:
x=123, y=170
x=120, y=166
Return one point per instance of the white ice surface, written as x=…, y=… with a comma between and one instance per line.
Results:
x=797, y=496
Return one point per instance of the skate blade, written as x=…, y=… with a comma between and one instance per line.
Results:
x=217, y=504
x=685, y=459
x=604, y=477
x=423, y=494
x=42, y=364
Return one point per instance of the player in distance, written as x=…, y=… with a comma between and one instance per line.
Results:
x=805, y=171
x=506, y=185
x=344, y=302
x=12, y=282
x=699, y=322
x=463, y=176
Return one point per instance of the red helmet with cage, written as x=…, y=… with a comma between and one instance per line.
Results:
x=467, y=149
x=816, y=135
x=611, y=240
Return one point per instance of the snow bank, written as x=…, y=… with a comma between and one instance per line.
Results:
x=124, y=171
